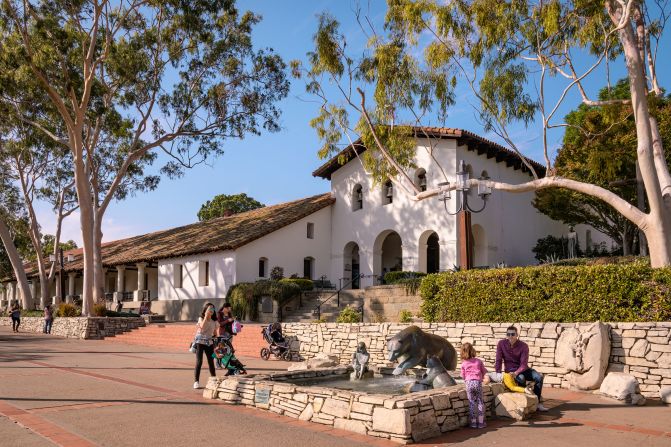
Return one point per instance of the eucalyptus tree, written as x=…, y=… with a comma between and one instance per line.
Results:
x=118, y=82
x=12, y=233
x=498, y=51
x=599, y=146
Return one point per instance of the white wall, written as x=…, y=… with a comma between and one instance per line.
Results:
x=222, y=276
x=287, y=248
x=410, y=219
x=511, y=224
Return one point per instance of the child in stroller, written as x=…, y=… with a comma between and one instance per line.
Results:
x=224, y=354
x=278, y=346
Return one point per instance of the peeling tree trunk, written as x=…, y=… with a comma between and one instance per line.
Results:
x=657, y=224
x=17, y=264
x=98, y=272
x=86, y=213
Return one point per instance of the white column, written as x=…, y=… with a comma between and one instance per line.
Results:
x=121, y=271
x=72, y=277
x=33, y=292
x=141, y=286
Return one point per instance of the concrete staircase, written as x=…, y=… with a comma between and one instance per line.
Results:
x=178, y=336
x=303, y=310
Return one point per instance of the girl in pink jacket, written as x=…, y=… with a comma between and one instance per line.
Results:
x=472, y=371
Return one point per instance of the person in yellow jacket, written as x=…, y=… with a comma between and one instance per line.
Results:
x=508, y=380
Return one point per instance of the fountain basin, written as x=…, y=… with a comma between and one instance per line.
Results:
x=308, y=395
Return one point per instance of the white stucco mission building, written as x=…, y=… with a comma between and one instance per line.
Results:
x=349, y=236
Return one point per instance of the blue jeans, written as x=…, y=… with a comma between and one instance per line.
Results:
x=47, y=326
x=533, y=375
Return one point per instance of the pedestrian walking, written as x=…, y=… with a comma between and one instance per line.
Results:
x=48, y=319
x=15, y=313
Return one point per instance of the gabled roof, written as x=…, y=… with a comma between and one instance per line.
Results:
x=223, y=233
x=464, y=137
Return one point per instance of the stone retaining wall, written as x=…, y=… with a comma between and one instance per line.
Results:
x=405, y=418
x=384, y=303
x=87, y=328
x=640, y=349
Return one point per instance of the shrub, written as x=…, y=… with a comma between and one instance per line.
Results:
x=68, y=310
x=276, y=273
x=304, y=283
x=349, y=315
x=279, y=291
x=621, y=292
x=100, y=310
x=243, y=302
x=405, y=316
x=399, y=277
x=32, y=313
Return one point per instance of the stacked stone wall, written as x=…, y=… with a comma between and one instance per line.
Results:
x=87, y=328
x=406, y=418
x=640, y=349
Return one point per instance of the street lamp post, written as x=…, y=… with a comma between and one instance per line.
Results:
x=464, y=211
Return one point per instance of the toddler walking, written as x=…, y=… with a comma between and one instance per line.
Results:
x=473, y=371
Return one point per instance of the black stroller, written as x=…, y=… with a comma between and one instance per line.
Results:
x=278, y=346
x=224, y=355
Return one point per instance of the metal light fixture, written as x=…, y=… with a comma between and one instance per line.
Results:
x=71, y=257
x=484, y=191
x=390, y=191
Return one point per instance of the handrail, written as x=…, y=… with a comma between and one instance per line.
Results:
x=318, y=308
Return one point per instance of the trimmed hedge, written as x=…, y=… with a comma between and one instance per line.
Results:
x=400, y=277
x=305, y=284
x=620, y=292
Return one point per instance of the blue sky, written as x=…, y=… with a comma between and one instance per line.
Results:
x=277, y=167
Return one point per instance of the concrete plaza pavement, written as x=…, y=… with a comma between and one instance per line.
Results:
x=56, y=391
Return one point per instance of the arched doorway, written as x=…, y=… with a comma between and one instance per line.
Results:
x=429, y=252
x=388, y=249
x=480, y=258
x=351, y=268
x=433, y=254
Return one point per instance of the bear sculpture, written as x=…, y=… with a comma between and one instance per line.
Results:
x=412, y=346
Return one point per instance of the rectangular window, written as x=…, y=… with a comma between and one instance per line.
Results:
x=311, y=230
x=204, y=273
x=262, y=268
x=178, y=275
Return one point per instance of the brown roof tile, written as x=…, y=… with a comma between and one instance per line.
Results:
x=223, y=233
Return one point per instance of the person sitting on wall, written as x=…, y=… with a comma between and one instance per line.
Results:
x=514, y=354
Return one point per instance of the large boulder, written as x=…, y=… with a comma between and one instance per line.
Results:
x=515, y=405
x=584, y=352
x=665, y=394
x=623, y=387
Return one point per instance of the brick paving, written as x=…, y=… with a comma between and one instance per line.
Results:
x=56, y=391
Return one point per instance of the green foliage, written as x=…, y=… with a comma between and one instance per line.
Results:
x=31, y=313
x=399, y=277
x=276, y=273
x=615, y=292
x=225, y=205
x=243, y=302
x=551, y=246
x=99, y=310
x=68, y=310
x=279, y=291
x=349, y=315
x=405, y=316
x=304, y=283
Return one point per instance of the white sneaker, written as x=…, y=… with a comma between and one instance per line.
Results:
x=541, y=407
x=529, y=391
x=196, y=385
